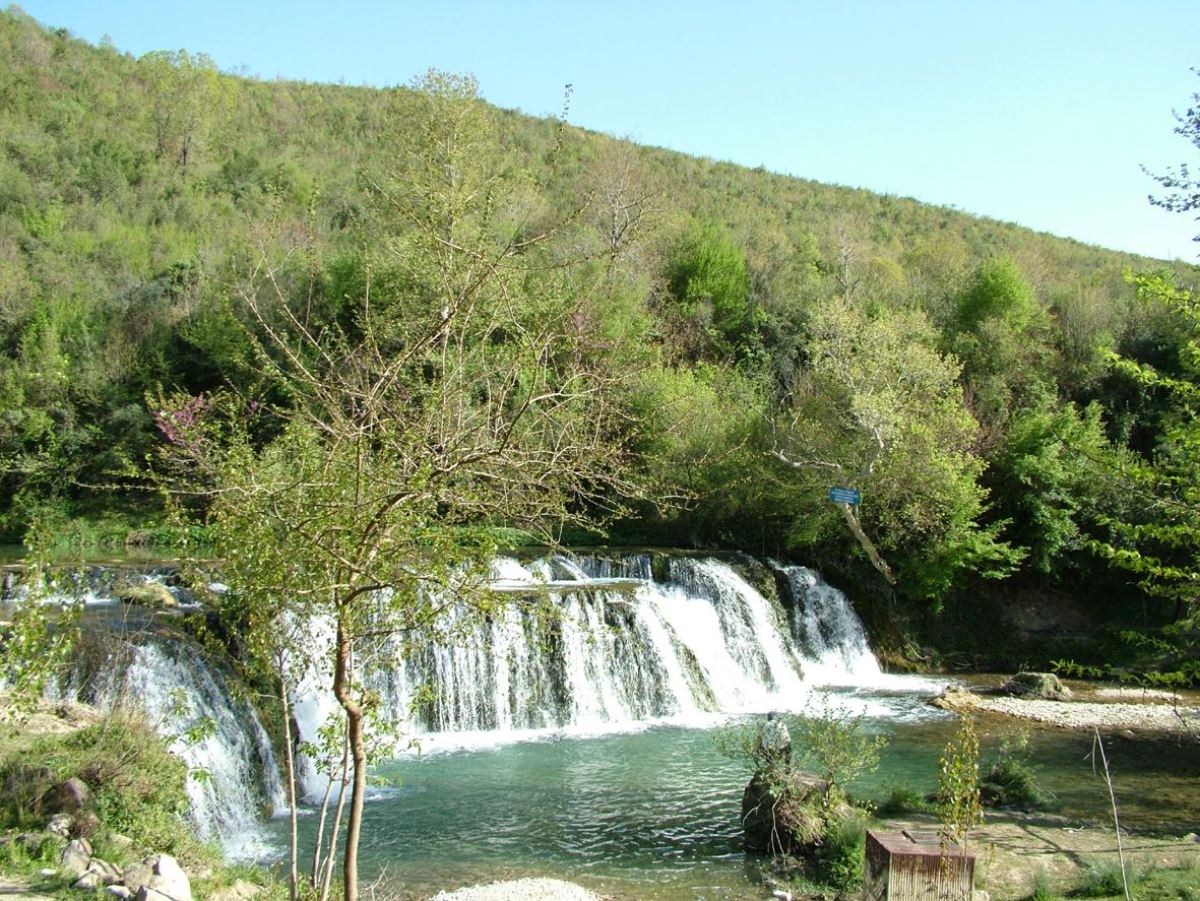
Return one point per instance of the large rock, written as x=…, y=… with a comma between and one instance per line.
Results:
x=782, y=819
x=956, y=698
x=109, y=873
x=60, y=824
x=86, y=825
x=75, y=857
x=158, y=878
x=89, y=881
x=1041, y=686
x=70, y=797
x=147, y=594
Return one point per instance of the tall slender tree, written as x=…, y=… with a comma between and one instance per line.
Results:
x=451, y=390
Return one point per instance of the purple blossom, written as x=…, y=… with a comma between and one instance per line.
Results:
x=178, y=426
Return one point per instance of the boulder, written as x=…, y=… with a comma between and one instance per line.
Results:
x=89, y=881
x=118, y=840
x=86, y=825
x=158, y=878
x=147, y=594
x=1040, y=686
x=239, y=891
x=70, y=796
x=957, y=698
x=119, y=891
x=108, y=873
x=75, y=857
x=782, y=819
x=60, y=824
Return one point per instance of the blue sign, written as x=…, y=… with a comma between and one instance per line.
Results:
x=845, y=496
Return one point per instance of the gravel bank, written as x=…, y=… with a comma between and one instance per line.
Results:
x=520, y=890
x=1086, y=715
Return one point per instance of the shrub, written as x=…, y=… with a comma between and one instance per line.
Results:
x=832, y=740
x=1101, y=879
x=839, y=863
x=138, y=787
x=1012, y=779
x=958, y=784
x=902, y=799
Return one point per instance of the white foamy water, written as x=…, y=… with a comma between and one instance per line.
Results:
x=578, y=648
x=597, y=646
x=234, y=780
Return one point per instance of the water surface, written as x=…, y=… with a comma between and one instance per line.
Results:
x=654, y=813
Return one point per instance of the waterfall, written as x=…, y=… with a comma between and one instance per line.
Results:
x=829, y=632
x=596, y=643
x=233, y=776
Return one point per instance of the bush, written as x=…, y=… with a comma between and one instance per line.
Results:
x=900, y=800
x=1102, y=879
x=1042, y=889
x=840, y=861
x=833, y=741
x=138, y=787
x=1012, y=779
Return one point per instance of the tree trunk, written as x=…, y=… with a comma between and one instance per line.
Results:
x=343, y=691
x=867, y=545
x=290, y=767
x=336, y=826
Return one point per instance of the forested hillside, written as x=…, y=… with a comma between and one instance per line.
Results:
x=773, y=336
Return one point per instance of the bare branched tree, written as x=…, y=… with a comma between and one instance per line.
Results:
x=453, y=393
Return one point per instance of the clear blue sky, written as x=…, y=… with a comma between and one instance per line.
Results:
x=1034, y=112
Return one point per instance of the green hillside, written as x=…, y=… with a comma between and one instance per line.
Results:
x=775, y=335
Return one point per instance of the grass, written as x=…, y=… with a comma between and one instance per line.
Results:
x=1102, y=880
x=138, y=791
x=901, y=800
x=138, y=787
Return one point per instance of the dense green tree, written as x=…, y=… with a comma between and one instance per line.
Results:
x=881, y=409
x=1159, y=539
x=1000, y=334
x=1044, y=482
x=710, y=290
x=186, y=95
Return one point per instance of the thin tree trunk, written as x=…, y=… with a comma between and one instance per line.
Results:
x=289, y=762
x=315, y=870
x=336, y=827
x=1098, y=744
x=343, y=691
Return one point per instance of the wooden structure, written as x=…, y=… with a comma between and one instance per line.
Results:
x=914, y=866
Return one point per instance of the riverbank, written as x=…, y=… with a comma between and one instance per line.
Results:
x=1015, y=852
x=520, y=890
x=1107, y=709
x=1148, y=717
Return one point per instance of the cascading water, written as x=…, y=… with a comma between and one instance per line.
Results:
x=598, y=644
x=583, y=645
x=828, y=631
x=233, y=776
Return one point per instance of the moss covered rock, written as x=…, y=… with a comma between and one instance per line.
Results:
x=1042, y=686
